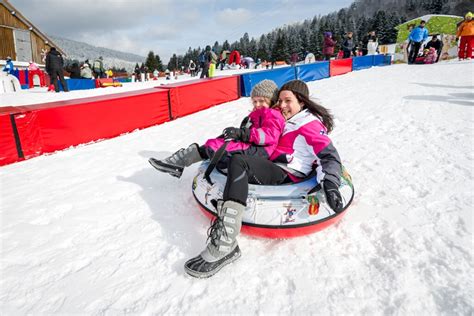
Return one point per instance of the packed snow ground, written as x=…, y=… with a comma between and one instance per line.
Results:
x=95, y=230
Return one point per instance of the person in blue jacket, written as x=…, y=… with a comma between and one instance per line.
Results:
x=417, y=36
x=8, y=66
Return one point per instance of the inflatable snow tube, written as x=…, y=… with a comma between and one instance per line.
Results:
x=276, y=211
x=9, y=83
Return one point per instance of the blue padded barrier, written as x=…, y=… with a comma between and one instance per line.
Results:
x=279, y=75
x=382, y=60
x=362, y=62
x=313, y=71
x=78, y=84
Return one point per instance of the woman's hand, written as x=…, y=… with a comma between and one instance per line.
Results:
x=333, y=196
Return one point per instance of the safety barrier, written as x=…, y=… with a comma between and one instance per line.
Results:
x=196, y=95
x=340, y=66
x=313, y=71
x=382, y=60
x=9, y=152
x=362, y=62
x=45, y=128
x=279, y=75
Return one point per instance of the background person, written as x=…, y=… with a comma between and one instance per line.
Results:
x=417, y=36
x=54, y=67
x=466, y=33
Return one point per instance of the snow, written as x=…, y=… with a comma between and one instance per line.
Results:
x=95, y=230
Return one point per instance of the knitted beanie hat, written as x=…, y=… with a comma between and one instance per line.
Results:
x=296, y=86
x=265, y=88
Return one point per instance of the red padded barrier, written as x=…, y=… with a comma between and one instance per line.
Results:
x=8, y=150
x=22, y=77
x=41, y=76
x=340, y=66
x=196, y=95
x=48, y=127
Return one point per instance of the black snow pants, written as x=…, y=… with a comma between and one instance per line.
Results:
x=244, y=169
x=55, y=73
x=415, y=48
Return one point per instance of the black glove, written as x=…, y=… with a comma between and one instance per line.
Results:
x=333, y=196
x=234, y=133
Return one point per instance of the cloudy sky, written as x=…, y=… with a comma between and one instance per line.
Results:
x=166, y=26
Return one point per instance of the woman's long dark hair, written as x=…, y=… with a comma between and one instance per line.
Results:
x=317, y=110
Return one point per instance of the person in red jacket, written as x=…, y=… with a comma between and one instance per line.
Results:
x=328, y=46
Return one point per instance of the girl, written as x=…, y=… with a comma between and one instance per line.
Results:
x=258, y=138
x=303, y=146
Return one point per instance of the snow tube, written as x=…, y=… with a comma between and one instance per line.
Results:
x=234, y=57
x=276, y=211
x=309, y=58
x=9, y=83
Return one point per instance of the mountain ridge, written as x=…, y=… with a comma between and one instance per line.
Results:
x=81, y=51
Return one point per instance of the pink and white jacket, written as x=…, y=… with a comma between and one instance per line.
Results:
x=304, y=146
x=265, y=130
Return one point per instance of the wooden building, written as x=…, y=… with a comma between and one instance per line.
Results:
x=19, y=38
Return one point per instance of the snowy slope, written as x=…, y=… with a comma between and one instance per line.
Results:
x=95, y=230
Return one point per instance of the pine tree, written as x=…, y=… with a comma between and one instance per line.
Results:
x=226, y=45
x=262, y=51
x=252, y=48
x=159, y=63
x=150, y=61
x=280, y=51
x=244, y=44
x=173, y=63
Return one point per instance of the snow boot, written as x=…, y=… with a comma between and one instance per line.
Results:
x=222, y=248
x=174, y=164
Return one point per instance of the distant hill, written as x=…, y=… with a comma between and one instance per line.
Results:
x=81, y=51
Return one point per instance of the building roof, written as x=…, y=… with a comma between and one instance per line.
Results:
x=31, y=26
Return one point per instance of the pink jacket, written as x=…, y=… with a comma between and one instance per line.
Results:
x=304, y=146
x=267, y=126
x=430, y=58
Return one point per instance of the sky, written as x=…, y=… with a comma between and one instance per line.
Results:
x=166, y=26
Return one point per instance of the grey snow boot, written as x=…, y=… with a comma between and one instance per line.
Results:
x=174, y=164
x=222, y=248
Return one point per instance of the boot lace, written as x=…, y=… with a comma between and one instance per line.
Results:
x=177, y=156
x=216, y=230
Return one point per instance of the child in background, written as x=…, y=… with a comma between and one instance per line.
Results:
x=258, y=135
x=431, y=56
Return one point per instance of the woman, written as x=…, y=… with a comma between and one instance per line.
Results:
x=303, y=146
x=328, y=46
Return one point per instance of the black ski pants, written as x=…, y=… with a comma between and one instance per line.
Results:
x=244, y=169
x=415, y=48
x=205, y=71
x=55, y=73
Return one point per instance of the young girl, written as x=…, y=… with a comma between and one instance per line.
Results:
x=257, y=136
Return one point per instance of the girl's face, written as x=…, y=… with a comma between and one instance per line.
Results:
x=260, y=102
x=288, y=104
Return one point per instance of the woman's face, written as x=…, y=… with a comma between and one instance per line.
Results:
x=288, y=104
x=260, y=102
